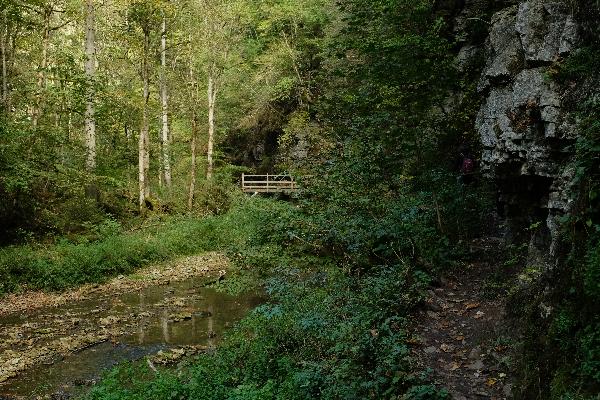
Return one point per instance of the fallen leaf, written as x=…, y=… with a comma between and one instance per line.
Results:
x=454, y=366
x=478, y=315
x=471, y=306
x=459, y=338
x=446, y=347
x=491, y=382
x=433, y=315
x=413, y=341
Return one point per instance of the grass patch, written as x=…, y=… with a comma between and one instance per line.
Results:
x=67, y=263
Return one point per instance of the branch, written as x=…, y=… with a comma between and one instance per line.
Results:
x=478, y=19
x=185, y=42
x=151, y=365
x=54, y=28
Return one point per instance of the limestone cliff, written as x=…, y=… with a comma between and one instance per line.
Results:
x=525, y=127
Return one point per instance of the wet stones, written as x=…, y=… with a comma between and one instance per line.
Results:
x=180, y=316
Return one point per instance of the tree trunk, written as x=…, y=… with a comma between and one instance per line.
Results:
x=166, y=156
x=11, y=42
x=194, y=96
x=41, y=83
x=90, y=74
x=193, y=166
x=161, y=174
x=212, y=95
x=3, y=49
x=144, y=160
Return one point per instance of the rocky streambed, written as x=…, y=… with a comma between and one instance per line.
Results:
x=57, y=344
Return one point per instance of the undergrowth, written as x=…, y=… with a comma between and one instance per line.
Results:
x=324, y=335
x=114, y=251
x=336, y=322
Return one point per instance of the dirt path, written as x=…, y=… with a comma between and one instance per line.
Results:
x=463, y=335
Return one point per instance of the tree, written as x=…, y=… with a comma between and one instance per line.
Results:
x=46, y=12
x=194, y=133
x=164, y=96
x=3, y=50
x=217, y=35
x=145, y=14
x=90, y=73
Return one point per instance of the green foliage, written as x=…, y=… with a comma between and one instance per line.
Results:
x=426, y=392
x=39, y=194
x=108, y=250
x=323, y=335
x=382, y=195
x=394, y=68
x=347, y=264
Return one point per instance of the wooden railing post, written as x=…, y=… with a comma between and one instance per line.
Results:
x=267, y=182
x=243, y=181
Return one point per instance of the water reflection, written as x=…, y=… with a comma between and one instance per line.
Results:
x=153, y=318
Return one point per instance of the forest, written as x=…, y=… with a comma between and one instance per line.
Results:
x=439, y=237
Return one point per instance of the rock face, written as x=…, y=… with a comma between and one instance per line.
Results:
x=504, y=56
x=546, y=30
x=524, y=127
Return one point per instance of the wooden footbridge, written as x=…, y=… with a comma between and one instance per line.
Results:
x=268, y=184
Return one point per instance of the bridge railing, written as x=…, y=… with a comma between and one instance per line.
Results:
x=268, y=183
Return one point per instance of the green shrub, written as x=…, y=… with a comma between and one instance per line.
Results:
x=323, y=335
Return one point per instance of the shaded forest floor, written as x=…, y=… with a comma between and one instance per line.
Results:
x=465, y=339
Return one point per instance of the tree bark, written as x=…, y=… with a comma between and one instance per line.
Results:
x=194, y=162
x=194, y=135
x=3, y=49
x=161, y=174
x=11, y=42
x=41, y=83
x=90, y=74
x=143, y=144
x=166, y=155
x=212, y=96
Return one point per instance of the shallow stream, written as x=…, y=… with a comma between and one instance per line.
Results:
x=60, y=351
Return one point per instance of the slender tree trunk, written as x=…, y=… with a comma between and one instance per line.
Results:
x=11, y=41
x=3, y=49
x=143, y=160
x=41, y=83
x=194, y=97
x=90, y=74
x=69, y=124
x=166, y=156
x=212, y=96
x=194, y=162
x=161, y=173
x=147, y=159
